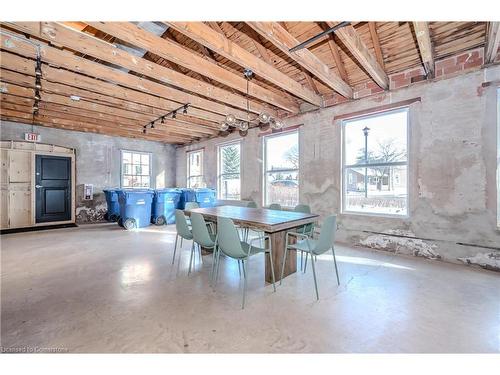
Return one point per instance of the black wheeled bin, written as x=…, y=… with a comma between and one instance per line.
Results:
x=113, y=213
x=165, y=202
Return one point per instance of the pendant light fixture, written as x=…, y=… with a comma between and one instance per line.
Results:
x=264, y=118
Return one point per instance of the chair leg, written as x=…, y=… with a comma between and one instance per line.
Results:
x=283, y=265
x=217, y=265
x=301, y=260
x=239, y=268
x=181, y=242
x=201, y=256
x=314, y=274
x=244, y=282
x=175, y=248
x=191, y=258
x=336, y=269
x=272, y=267
x=305, y=262
x=212, y=272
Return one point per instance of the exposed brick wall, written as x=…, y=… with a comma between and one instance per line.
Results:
x=453, y=64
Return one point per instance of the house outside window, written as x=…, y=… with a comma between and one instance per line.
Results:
x=135, y=169
x=375, y=163
x=281, y=169
x=195, y=178
x=229, y=171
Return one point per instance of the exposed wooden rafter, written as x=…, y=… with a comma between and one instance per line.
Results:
x=218, y=43
x=351, y=39
x=282, y=39
x=423, y=36
x=492, y=42
x=132, y=34
x=376, y=43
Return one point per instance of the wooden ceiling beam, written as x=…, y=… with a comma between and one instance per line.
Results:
x=376, y=43
x=220, y=44
x=492, y=42
x=423, y=36
x=72, y=62
x=182, y=56
x=282, y=39
x=353, y=42
x=92, y=46
x=52, y=56
x=334, y=50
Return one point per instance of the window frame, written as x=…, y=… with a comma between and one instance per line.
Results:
x=150, y=172
x=407, y=163
x=264, y=163
x=220, y=146
x=188, y=166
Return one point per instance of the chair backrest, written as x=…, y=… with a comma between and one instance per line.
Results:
x=304, y=208
x=275, y=206
x=252, y=204
x=327, y=235
x=228, y=239
x=181, y=225
x=191, y=205
x=200, y=231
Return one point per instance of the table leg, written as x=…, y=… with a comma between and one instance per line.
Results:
x=278, y=245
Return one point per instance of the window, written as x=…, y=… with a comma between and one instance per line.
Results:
x=136, y=169
x=281, y=169
x=375, y=163
x=228, y=173
x=195, y=169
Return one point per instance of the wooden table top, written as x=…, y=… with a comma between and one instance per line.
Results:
x=267, y=220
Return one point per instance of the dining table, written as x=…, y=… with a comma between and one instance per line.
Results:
x=275, y=223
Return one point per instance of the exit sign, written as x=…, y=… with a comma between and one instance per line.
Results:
x=32, y=137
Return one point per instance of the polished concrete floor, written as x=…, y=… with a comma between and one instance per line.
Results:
x=98, y=288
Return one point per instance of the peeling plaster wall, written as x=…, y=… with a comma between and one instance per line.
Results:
x=452, y=157
x=98, y=162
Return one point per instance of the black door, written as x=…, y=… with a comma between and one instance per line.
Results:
x=53, y=188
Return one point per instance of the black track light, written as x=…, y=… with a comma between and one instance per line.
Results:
x=38, y=85
x=37, y=95
x=174, y=115
x=163, y=119
x=152, y=124
x=185, y=109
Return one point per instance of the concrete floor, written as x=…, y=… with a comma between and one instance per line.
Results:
x=98, y=288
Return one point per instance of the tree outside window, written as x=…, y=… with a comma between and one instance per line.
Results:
x=229, y=171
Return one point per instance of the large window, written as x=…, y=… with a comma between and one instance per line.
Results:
x=136, y=169
x=195, y=169
x=375, y=163
x=228, y=172
x=281, y=169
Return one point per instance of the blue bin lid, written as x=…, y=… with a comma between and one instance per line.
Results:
x=168, y=190
x=205, y=190
x=111, y=189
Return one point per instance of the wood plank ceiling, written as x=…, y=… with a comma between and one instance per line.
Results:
x=114, y=78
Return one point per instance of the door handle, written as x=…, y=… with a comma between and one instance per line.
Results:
x=38, y=186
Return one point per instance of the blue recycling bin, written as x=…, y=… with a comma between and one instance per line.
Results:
x=205, y=197
x=165, y=202
x=187, y=195
x=135, y=207
x=113, y=213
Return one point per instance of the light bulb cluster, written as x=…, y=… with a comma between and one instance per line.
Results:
x=264, y=118
x=38, y=85
x=161, y=119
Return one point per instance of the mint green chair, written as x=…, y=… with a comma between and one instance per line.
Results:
x=229, y=244
x=202, y=237
x=275, y=206
x=183, y=231
x=307, y=229
x=324, y=243
x=191, y=205
x=252, y=204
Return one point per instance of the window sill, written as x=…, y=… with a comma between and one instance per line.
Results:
x=383, y=216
